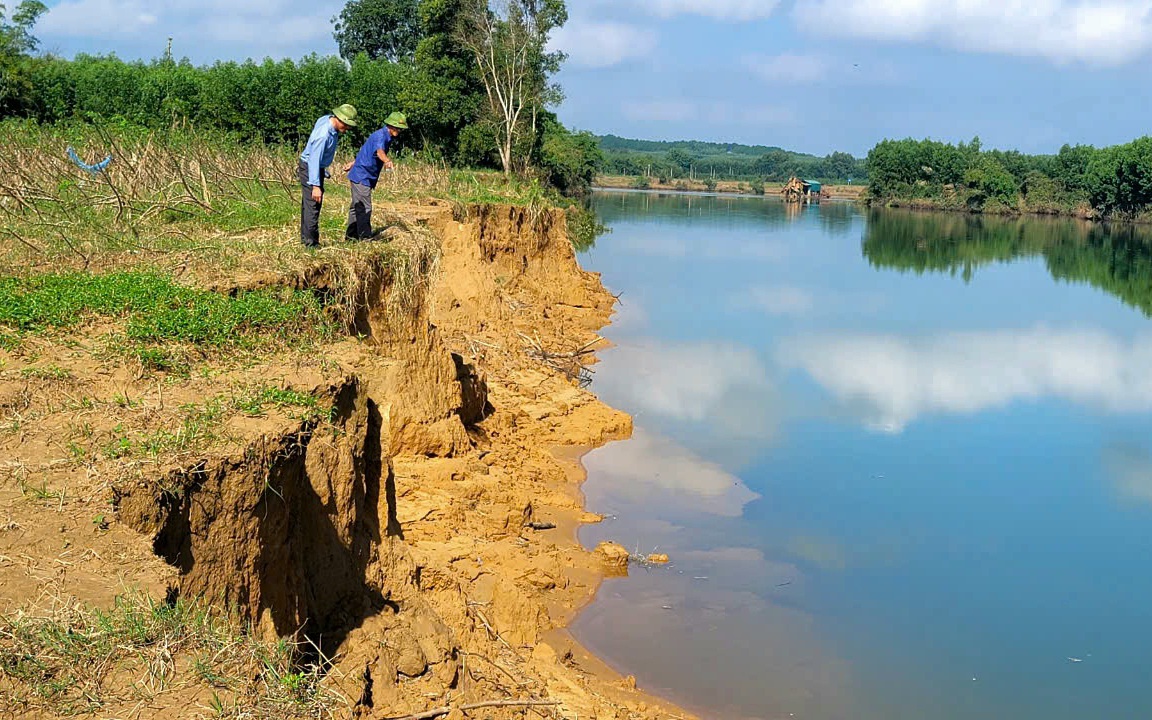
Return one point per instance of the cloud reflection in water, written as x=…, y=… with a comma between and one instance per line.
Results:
x=892, y=381
x=654, y=470
x=715, y=398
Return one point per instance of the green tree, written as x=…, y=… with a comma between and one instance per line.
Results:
x=1071, y=166
x=992, y=181
x=570, y=160
x=679, y=158
x=16, y=43
x=380, y=29
x=443, y=94
x=840, y=166
x=509, y=42
x=1120, y=177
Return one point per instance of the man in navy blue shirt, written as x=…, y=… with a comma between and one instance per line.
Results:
x=313, y=168
x=364, y=173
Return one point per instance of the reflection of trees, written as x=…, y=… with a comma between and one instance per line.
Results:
x=1114, y=258
x=683, y=208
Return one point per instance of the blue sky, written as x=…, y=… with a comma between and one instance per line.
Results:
x=814, y=76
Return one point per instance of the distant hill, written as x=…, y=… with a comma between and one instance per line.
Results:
x=694, y=147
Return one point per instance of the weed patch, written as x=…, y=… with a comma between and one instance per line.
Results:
x=159, y=310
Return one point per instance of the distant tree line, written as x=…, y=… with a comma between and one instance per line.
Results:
x=418, y=56
x=668, y=160
x=1111, y=181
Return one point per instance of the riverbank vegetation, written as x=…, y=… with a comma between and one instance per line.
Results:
x=1080, y=180
x=419, y=56
x=659, y=162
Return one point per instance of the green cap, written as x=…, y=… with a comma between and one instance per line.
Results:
x=397, y=120
x=346, y=114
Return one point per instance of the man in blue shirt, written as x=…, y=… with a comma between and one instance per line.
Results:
x=364, y=173
x=313, y=168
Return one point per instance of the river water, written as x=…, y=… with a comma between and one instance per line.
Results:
x=902, y=462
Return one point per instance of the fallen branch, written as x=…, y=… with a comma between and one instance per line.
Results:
x=570, y=364
x=437, y=712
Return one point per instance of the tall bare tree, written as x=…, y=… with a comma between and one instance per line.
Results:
x=509, y=39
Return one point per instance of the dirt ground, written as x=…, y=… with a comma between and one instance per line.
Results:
x=422, y=536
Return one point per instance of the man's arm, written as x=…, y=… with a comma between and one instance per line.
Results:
x=315, y=150
x=384, y=158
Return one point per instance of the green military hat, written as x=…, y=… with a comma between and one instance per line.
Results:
x=397, y=120
x=346, y=114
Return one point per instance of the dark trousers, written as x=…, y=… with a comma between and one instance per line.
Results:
x=309, y=208
x=360, y=214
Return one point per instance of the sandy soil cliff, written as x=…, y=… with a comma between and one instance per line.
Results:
x=399, y=539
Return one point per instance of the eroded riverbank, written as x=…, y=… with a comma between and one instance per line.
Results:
x=416, y=530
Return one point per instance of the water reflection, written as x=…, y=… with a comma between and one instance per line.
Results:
x=890, y=381
x=652, y=468
x=717, y=395
x=1130, y=468
x=878, y=573
x=1114, y=258
x=797, y=302
x=834, y=218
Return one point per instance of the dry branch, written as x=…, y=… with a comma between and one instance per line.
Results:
x=571, y=364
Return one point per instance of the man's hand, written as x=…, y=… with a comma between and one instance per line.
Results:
x=388, y=164
x=348, y=167
x=317, y=193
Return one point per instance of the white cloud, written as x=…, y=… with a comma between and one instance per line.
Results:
x=787, y=68
x=723, y=10
x=892, y=381
x=659, y=110
x=711, y=113
x=598, y=44
x=651, y=469
x=1106, y=32
x=261, y=27
x=770, y=115
x=739, y=10
x=87, y=18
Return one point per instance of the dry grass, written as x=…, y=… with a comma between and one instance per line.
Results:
x=187, y=201
x=73, y=660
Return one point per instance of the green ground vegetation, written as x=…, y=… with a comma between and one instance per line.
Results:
x=670, y=160
x=157, y=309
x=82, y=660
x=1098, y=182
